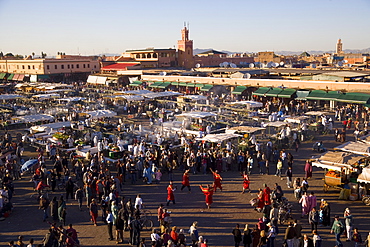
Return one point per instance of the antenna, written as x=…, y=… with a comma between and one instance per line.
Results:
x=197, y=65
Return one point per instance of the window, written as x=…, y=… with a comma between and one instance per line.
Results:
x=155, y=55
x=29, y=66
x=68, y=66
x=62, y=66
x=149, y=55
x=77, y=66
x=33, y=66
x=84, y=65
x=94, y=66
x=17, y=66
x=137, y=55
x=22, y=66
x=47, y=67
x=71, y=66
x=88, y=65
x=55, y=66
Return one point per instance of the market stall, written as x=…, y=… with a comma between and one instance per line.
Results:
x=101, y=114
x=355, y=147
x=340, y=168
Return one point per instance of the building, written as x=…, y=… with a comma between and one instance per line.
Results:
x=185, y=50
x=339, y=47
x=267, y=56
x=152, y=58
x=48, y=69
x=213, y=58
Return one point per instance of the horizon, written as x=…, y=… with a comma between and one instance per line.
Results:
x=95, y=27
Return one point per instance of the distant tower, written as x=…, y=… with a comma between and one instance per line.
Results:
x=185, y=50
x=339, y=49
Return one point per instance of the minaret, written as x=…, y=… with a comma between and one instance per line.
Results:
x=339, y=49
x=185, y=50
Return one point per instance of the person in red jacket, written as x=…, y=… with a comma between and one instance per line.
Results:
x=208, y=192
x=246, y=182
x=185, y=181
x=217, y=180
x=266, y=195
x=170, y=195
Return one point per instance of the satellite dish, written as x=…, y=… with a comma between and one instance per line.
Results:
x=197, y=65
x=313, y=66
x=163, y=73
x=281, y=63
x=247, y=76
x=233, y=65
x=340, y=64
x=225, y=64
x=269, y=65
x=345, y=61
x=349, y=65
x=251, y=65
x=221, y=65
x=276, y=65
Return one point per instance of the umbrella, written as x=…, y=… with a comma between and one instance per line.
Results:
x=28, y=164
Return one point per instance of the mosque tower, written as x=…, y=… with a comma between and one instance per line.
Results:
x=339, y=49
x=185, y=50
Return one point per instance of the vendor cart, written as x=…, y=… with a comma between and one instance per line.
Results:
x=333, y=179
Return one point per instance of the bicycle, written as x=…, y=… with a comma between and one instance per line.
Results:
x=146, y=223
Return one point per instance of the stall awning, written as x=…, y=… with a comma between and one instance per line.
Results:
x=156, y=84
x=10, y=76
x=328, y=166
x=206, y=87
x=357, y=98
x=317, y=95
x=261, y=91
x=191, y=85
x=199, y=85
x=20, y=77
x=287, y=93
x=184, y=84
x=273, y=92
x=2, y=75
x=164, y=85
x=239, y=90
x=136, y=83
x=301, y=95
x=175, y=83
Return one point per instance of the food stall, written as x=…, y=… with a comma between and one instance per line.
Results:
x=358, y=147
x=340, y=168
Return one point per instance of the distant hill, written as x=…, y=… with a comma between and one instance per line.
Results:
x=367, y=50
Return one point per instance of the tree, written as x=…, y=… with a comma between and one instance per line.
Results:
x=1, y=54
x=9, y=54
x=43, y=55
x=33, y=54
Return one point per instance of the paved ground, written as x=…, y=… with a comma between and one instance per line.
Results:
x=230, y=207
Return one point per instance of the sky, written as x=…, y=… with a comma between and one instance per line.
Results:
x=88, y=27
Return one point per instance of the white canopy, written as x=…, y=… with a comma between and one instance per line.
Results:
x=218, y=138
x=316, y=113
x=101, y=113
x=10, y=96
x=72, y=99
x=197, y=114
x=46, y=96
x=343, y=159
x=195, y=97
x=129, y=97
x=296, y=119
x=153, y=95
x=35, y=118
x=244, y=129
x=364, y=177
x=140, y=92
x=276, y=124
x=58, y=125
x=250, y=103
x=355, y=147
x=329, y=166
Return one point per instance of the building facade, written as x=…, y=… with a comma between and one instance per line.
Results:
x=185, y=50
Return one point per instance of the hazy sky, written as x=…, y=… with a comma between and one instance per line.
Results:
x=93, y=27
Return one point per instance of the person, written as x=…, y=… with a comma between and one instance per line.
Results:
x=247, y=236
x=109, y=221
x=263, y=239
x=316, y=239
x=174, y=235
x=279, y=167
x=348, y=222
x=182, y=238
x=170, y=195
x=139, y=202
x=278, y=192
x=237, y=235
x=289, y=175
x=325, y=213
x=337, y=228
x=208, y=192
x=135, y=227
x=193, y=231
x=356, y=237
x=54, y=209
x=30, y=244
x=44, y=205
x=297, y=188
x=306, y=241
x=94, y=211
x=290, y=234
x=298, y=231
x=69, y=188
x=271, y=234
x=266, y=194
x=304, y=204
x=185, y=181
x=155, y=238
x=62, y=210
x=142, y=243
x=49, y=239
x=313, y=219
x=217, y=180
x=246, y=182
x=308, y=169
x=79, y=195
x=205, y=243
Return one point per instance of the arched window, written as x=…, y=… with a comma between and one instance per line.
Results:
x=143, y=55
x=137, y=55
x=149, y=55
x=155, y=55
